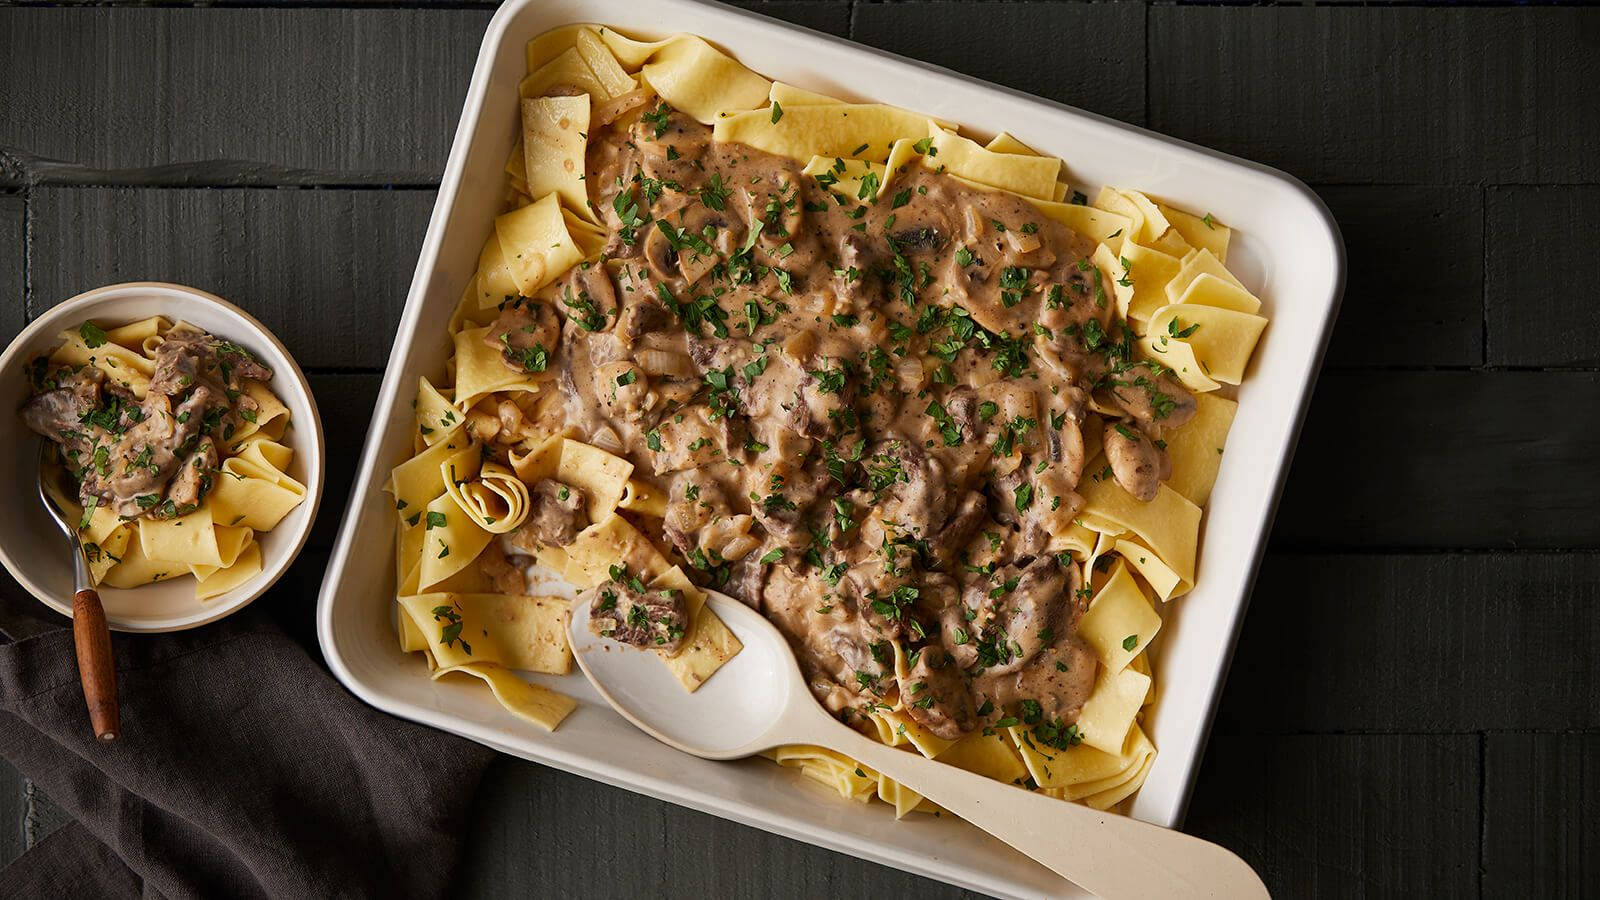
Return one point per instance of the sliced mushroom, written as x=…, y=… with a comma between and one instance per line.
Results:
x=1136, y=462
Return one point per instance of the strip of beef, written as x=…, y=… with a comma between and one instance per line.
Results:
x=935, y=693
x=526, y=333
x=141, y=461
x=630, y=613
x=61, y=411
x=195, y=477
x=188, y=357
x=1017, y=612
x=555, y=516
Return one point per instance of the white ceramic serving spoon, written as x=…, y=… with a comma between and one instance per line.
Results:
x=759, y=700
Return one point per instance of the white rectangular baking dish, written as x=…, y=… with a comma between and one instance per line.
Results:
x=1285, y=246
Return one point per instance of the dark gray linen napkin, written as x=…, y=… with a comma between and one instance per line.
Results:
x=243, y=770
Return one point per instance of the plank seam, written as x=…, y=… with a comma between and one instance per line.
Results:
x=1483, y=810
x=1483, y=282
x=27, y=256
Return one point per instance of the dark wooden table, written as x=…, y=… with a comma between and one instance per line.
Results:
x=1415, y=703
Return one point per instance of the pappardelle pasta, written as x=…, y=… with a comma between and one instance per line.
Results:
x=175, y=443
x=948, y=424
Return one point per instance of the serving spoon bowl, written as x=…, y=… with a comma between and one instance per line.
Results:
x=91, y=636
x=759, y=700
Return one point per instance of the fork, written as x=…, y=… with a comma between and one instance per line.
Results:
x=91, y=636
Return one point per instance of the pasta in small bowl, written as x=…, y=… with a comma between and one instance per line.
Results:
x=192, y=440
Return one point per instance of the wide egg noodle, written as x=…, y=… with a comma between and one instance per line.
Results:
x=1203, y=262
x=135, y=569
x=531, y=702
x=1119, y=622
x=1179, y=356
x=1109, y=712
x=417, y=481
x=604, y=64
x=1195, y=450
x=787, y=95
x=244, y=567
x=1030, y=176
x=1169, y=525
x=137, y=335
x=452, y=541
x=1207, y=289
x=128, y=368
x=540, y=461
x=709, y=644
x=437, y=416
x=1200, y=232
x=253, y=488
x=603, y=477
x=991, y=755
x=536, y=244
x=642, y=498
x=1097, y=224
x=1223, y=340
x=613, y=542
x=188, y=540
x=863, y=130
x=494, y=284
x=1163, y=581
x=567, y=69
x=499, y=497
x=479, y=371
x=268, y=418
x=1081, y=770
x=702, y=81
x=554, y=140
x=518, y=632
x=1150, y=271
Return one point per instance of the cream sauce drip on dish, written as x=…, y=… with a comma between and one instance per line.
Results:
x=867, y=412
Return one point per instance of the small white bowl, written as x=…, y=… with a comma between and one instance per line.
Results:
x=33, y=548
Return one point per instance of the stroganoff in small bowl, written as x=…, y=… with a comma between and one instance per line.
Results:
x=193, y=439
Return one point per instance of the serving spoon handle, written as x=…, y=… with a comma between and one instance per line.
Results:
x=1107, y=854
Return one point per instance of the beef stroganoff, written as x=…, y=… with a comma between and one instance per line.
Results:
x=173, y=439
x=947, y=424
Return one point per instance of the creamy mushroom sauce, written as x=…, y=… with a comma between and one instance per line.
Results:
x=156, y=456
x=868, y=413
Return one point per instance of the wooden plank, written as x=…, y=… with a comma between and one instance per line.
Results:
x=832, y=16
x=326, y=270
x=231, y=95
x=1398, y=95
x=345, y=402
x=1543, y=277
x=1415, y=291
x=1346, y=815
x=1430, y=643
x=1089, y=56
x=13, y=264
x=538, y=832
x=1541, y=837
x=1495, y=460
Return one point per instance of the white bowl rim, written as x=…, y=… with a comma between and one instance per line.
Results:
x=315, y=462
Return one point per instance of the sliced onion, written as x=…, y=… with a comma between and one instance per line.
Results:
x=608, y=112
x=606, y=439
x=909, y=372
x=664, y=362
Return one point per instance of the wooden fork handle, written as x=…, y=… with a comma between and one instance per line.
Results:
x=92, y=640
